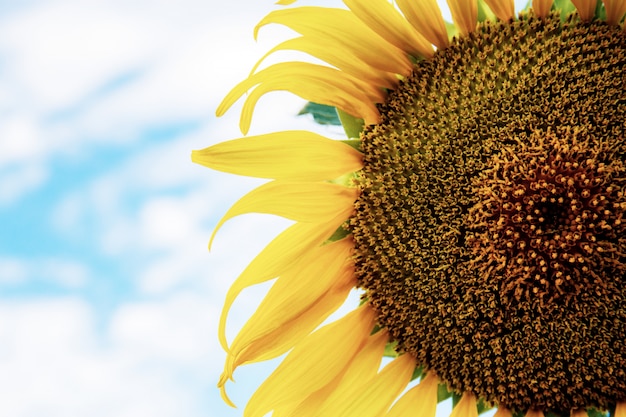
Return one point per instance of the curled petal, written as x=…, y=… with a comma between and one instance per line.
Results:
x=313, y=363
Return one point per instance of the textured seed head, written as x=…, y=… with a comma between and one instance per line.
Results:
x=489, y=231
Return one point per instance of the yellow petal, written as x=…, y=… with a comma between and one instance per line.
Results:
x=419, y=401
x=620, y=409
x=534, y=413
x=344, y=60
x=464, y=14
x=275, y=259
x=615, y=10
x=292, y=155
x=309, y=202
x=503, y=9
x=297, y=303
x=384, y=19
x=503, y=412
x=376, y=395
x=426, y=18
x=316, y=83
x=542, y=7
x=340, y=29
x=586, y=8
x=466, y=407
x=285, y=2
x=313, y=363
x=363, y=369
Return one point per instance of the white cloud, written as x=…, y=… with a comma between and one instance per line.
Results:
x=63, y=272
x=55, y=364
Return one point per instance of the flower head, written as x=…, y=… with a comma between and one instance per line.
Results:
x=480, y=211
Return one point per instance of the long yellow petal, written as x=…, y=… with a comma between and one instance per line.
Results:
x=376, y=395
x=503, y=9
x=384, y=19
x=426, y=18
x=464, y=14
x=534, y=413
x=313, y=363
x=276, y=258
x=316, y=83
x=297, y=303
x=292, y=155
x=340, y=29
x=466, y=407
x=615, y=10
x=363, y=367
x=542, y=7
x=503, y=412
x=419, y=401
x=586, y=8
x=308, y=202
x=620, y=409
x=345, y=61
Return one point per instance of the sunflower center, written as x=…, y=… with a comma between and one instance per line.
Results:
x=489, y=233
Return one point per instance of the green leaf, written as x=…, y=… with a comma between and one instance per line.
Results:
x=351, y=125
x=322, y=114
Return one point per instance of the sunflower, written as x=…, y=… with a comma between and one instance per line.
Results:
x=478, y=204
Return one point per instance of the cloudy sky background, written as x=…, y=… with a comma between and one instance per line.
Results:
x=109, y=299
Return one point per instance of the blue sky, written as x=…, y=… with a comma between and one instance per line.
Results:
x=109, y=299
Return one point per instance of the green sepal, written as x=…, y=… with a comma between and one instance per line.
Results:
x=482, y=407
x=566, y=7
x=322, y=114
x=417, y=372
x=600, y=11
x=390, y=349
x=351, y=125
x=355, y=143
x=339, y=234
x=443, y=393
x=484, y=12
x=451, y=30
x=455, y=399
x=594, y=412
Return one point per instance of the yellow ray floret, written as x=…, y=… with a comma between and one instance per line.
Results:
x=466, y=407
x=615, y=10
x=313, y=363
x=309, y=202
x=290, y=155
x=503, y=412
x=465, y=14
x=277, y=258
x=340, y=29
x=363, y=369
x=503, y=9
x=385, y=20
x=542, y=7
x=586, y=8
x=316, y=83
x=578, y=413
x=296, y=304
x=534, y=413
x=376, y=395
x=426, y=18
x=419, y=401
x=620, y=409
x=343, y=60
